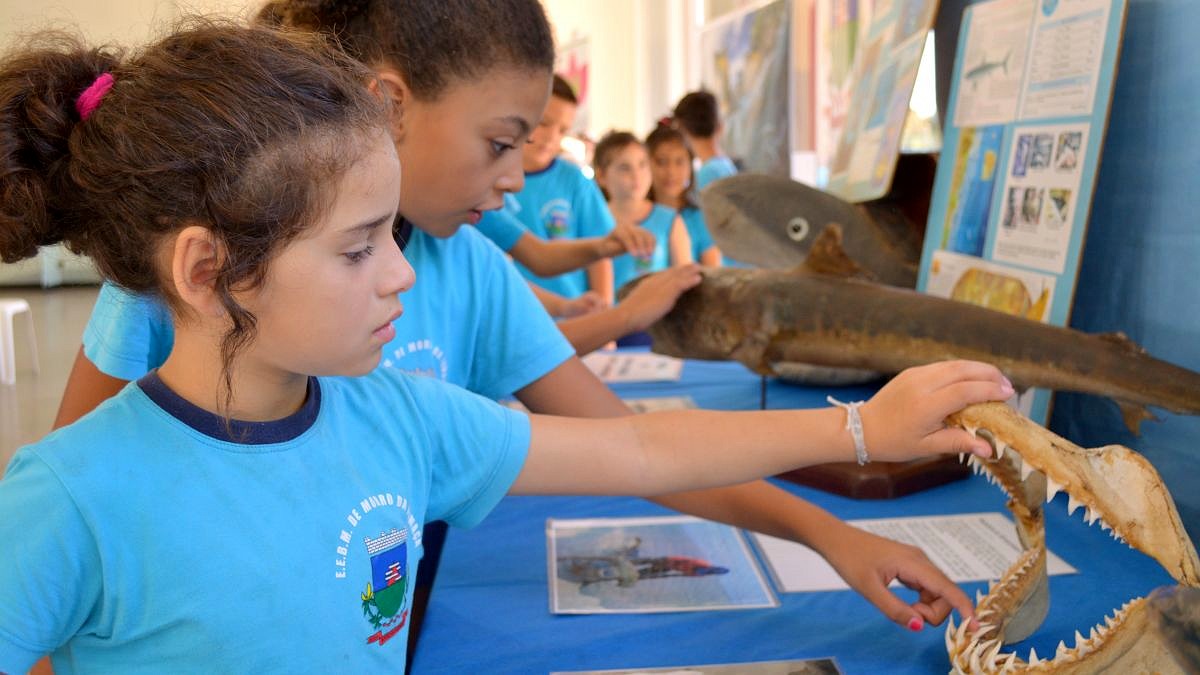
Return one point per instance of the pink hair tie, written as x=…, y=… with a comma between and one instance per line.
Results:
x=90, y=99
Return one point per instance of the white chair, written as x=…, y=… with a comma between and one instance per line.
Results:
x=9, y=308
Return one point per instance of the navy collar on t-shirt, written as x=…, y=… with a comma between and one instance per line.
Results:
x=245, y=433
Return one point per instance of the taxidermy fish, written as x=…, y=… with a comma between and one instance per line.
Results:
x=772, y=222
x=1119, y=490
x=821, y=314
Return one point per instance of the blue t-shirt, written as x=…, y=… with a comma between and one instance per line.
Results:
x=502, y=225
x=715, y=168
x=693, y=219
x=469, y=319
x=559, y=202
x=134, y=541
x=626, y=267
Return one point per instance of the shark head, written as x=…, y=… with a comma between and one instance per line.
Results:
x=1120, y=491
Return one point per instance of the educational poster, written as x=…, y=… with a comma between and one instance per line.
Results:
x=573, y=61
x=885, y=71
x=989, y=87
x=652, y=564
x=1065, y=58
x=806, y=667
x=1011, y=290
x=1028, y=107
x=974, y=176
x=1038, y=196
x=838, y=25
x=745, y=63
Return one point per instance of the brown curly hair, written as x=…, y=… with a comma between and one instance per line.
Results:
x=238, y=129
x=432, y=43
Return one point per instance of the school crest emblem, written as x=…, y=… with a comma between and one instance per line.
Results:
x=383, y=602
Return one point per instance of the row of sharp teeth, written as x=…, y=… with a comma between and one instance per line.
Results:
x=985, y=657
x=983, y=602
x=1052, y=488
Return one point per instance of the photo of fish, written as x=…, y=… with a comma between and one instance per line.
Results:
x=1058, y=207
x=657, y=564
x=1066, y=157
x=1043, y=146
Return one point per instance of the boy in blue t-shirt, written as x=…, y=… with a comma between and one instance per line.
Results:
x=559, y=201
x=698, y=116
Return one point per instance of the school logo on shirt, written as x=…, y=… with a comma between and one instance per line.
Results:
x=556, y=218
x=417, y=357
x=378, y=566
x=385, y=597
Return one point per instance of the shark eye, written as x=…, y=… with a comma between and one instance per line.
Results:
x=797, y=229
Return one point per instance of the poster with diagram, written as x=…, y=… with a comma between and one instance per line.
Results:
x=885, y=70
x=1029, y=103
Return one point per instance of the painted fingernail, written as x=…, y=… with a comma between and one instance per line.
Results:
x=915, y=624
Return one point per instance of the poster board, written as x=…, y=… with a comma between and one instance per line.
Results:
x=1029, y=105
x=885, y=70
x=746, y=63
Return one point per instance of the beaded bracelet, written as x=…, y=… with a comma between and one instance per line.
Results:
x=854, y=426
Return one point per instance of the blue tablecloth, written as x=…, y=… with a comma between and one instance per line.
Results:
x=489, y=610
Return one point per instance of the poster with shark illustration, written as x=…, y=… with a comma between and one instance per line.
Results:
x=1028, y=107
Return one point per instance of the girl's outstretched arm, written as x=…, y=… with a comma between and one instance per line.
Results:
x=675, y=451
x=550, y=258
x=653, y=298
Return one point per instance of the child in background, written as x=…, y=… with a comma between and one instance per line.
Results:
x=672, y=176
x=477, y=325
x=547, y=258
x=623, y=174
x=558, y=201
x=699, y=117
x=258, y=195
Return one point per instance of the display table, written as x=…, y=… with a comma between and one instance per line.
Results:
x=489, y=609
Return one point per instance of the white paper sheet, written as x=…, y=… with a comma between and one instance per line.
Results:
x=618, y=367
x=967, y=547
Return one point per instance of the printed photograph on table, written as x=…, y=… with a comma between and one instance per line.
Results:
x=745, y=63
x=618, y=366
x=805, y=667
x=654, y=564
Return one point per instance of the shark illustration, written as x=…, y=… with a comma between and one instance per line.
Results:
x=985, y=67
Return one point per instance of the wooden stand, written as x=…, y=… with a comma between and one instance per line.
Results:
x=880, y=480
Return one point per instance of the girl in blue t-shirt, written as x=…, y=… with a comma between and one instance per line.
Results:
x=268, y=474
x=672, y=180
x=623, y=173
x=472, y=320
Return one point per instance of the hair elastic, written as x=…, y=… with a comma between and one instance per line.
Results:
x=90, y=99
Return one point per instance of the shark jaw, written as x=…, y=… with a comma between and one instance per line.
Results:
x=1121, y=492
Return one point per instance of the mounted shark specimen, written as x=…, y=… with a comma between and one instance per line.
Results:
x=1120, y=489
x=773, y=222
x=775, y=319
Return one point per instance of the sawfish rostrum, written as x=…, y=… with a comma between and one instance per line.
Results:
x=772, y=222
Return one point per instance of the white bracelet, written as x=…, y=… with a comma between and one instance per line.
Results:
x=854, y=426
